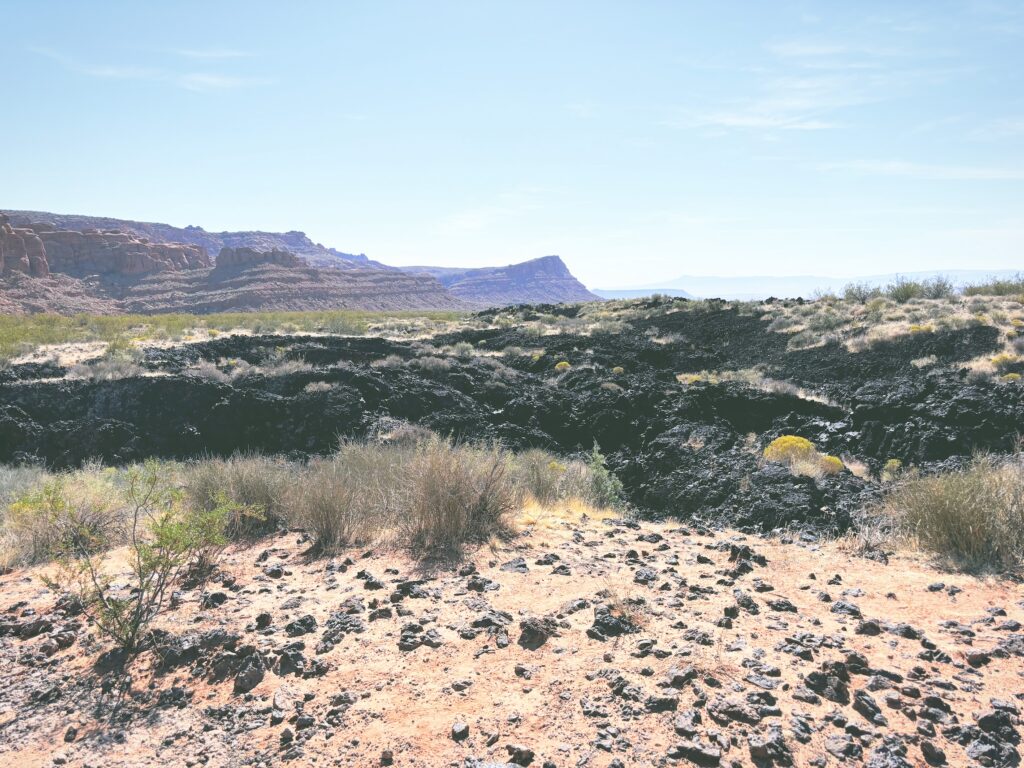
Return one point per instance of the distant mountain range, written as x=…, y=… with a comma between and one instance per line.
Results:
x=539, y=281
x=762, y=287
x=68, y=263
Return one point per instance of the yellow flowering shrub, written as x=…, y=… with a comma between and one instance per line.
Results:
x=788, y=448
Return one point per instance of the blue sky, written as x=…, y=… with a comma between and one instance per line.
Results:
x=638, y=140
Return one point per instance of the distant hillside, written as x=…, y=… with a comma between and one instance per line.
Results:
x=296, y=242
x=124, y=265
x=639, y=293
x=761, y=287
x=539, y=281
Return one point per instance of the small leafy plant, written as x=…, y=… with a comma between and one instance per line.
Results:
x=167, y=539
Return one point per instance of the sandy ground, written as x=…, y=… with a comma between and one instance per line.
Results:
x=573, y=700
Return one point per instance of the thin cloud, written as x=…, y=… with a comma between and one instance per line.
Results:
x=205, y=81
x=905, y=169
x=212, y=53
x=763, y=121
x=1004, y=128
x=190, y=81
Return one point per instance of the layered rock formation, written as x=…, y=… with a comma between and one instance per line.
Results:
x=271, y=286
x=21, y=250
x=539, y=281
x=114, y=253
x=293, y=241
x=248, y=257
x=119, y=258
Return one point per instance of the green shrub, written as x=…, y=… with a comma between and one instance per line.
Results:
x=166, y=540
x=902, y=290
x=605, y=489
x=938, y=287
x=974, y=518
x=861, y=292
x=1013, y=286
x=83, y=507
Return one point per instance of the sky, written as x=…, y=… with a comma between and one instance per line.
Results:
x=638, y=140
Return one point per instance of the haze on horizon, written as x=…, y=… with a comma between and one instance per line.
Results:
x=639, y=141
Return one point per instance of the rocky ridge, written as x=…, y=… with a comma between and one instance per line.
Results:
x=83, y=246
x=542, y=280
x=212, y=242
x=114, y=253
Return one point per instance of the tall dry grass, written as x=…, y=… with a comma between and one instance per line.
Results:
x=404, y=486
x=973, y=518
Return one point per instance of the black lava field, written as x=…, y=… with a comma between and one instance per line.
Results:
x=688, y=450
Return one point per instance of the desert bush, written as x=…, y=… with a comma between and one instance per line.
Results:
x=82, y=508
x=431, y=363
x=902, y=290
x=605, y=490
x=861, y=292
x=802, y=458
x=938, y=287
x=463, y=350
x=166, y=540
x=391, y=361
x=1013, y=286
x=788, y=448
x=783, y=323
x=1004, y=360
x=118, y=362
x=17, y=480
x=826, y=321
x=541, y=475
x=973, y=518
x=318, y=386
x=831, y=465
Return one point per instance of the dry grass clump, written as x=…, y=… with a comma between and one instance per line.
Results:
x=404, y=486
x=457, y=495
x=259, y=484
x=973, y=519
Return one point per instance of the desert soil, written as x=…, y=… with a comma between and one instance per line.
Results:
x=578, y=642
